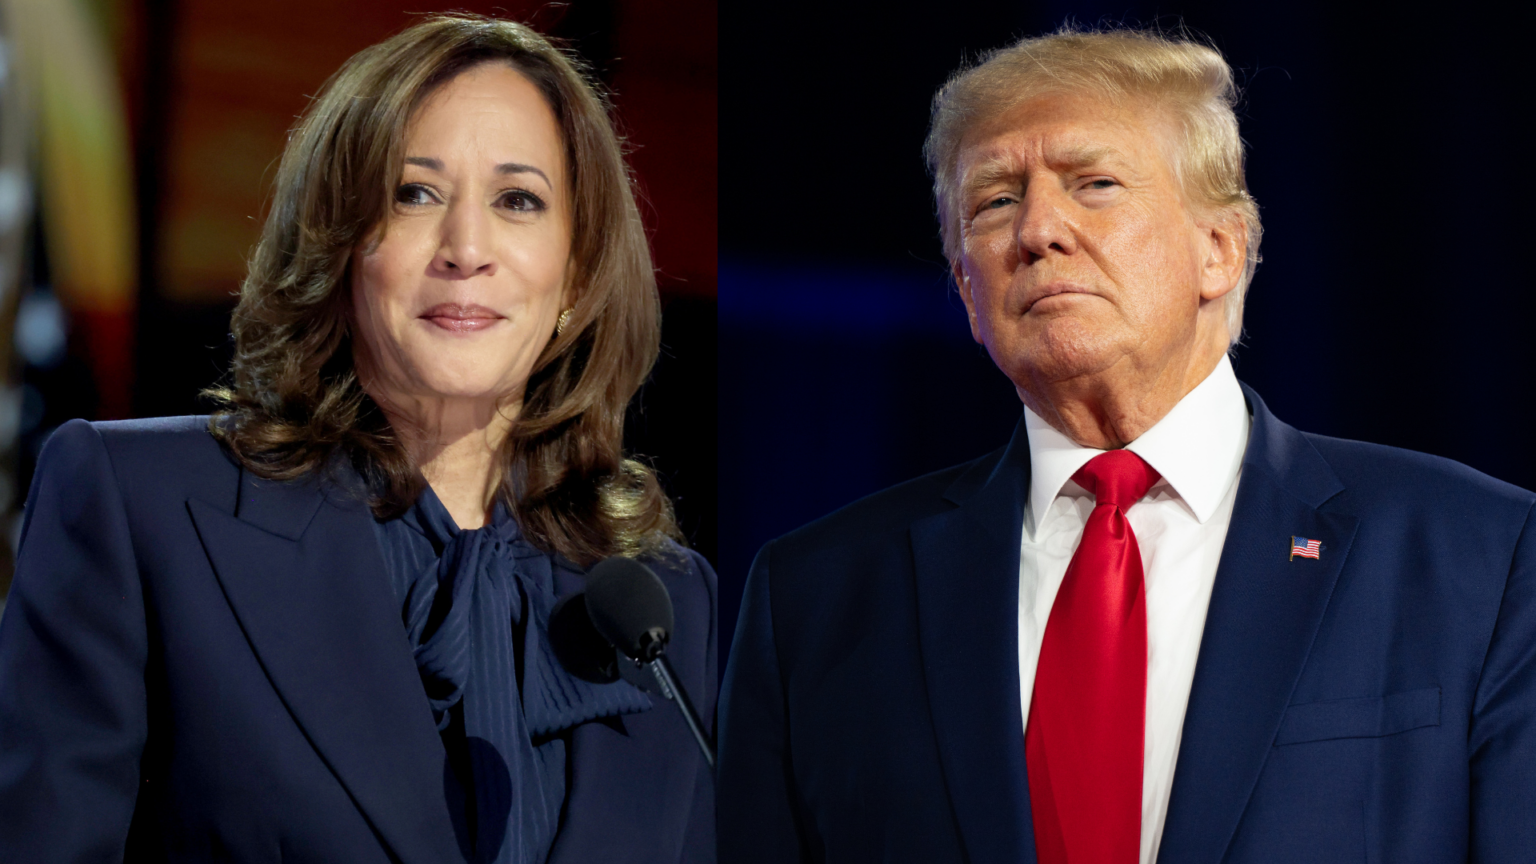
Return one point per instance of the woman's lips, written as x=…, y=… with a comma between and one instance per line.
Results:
x=460, y=319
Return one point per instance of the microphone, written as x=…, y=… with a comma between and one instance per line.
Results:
x=628, y=612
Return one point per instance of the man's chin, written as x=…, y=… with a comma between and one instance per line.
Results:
x=1062, y=351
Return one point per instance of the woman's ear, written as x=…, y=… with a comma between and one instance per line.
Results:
x=569, y=295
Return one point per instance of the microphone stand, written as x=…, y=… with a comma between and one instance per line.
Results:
x=661, y=668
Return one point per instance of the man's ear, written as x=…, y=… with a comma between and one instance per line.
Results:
x=963, y=283
x=1226, y=254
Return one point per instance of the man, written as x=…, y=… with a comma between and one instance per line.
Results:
x=1159, y=624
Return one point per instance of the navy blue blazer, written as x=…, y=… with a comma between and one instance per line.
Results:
x=1375, y=705
x=197, y=665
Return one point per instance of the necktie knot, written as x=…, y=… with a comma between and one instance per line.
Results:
x=1117, y=477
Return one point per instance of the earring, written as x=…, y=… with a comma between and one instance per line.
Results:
x=564, y=319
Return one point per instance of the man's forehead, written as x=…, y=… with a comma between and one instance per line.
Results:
x=1065, y=131
x=1015, y=155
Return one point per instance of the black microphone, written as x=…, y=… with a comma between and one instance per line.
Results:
x=628, y=611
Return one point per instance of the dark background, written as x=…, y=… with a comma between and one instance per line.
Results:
x=1391, y=306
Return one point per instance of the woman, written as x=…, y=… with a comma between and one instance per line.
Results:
x=312, y=627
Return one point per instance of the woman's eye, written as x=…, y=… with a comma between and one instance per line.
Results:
x=523, y=201
x=413, y=194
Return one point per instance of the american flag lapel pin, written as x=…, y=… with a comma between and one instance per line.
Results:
x=1306, y=548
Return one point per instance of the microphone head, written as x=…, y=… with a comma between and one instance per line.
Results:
x=577, y=644
x=630, y=607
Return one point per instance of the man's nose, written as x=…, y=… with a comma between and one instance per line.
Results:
x=465, y=248
x=1042, y=224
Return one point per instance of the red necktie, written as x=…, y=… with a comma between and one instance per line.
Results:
x=1087, y=719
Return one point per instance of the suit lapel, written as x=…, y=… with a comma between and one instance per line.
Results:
x=1265, y=610
x=302, y=571
x=966, y=563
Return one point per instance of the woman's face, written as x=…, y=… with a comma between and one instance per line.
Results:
x=464, y=287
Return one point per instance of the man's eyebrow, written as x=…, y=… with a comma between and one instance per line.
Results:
x=1082, y=157
x=1006, y=167
x=432, y=164
x=989, y=172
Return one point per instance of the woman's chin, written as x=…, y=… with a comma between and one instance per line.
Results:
x=432, y=387
x=462, y=371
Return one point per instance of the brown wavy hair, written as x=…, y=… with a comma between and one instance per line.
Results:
x=293, y=403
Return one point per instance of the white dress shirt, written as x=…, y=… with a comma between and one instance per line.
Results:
x=1180, y=525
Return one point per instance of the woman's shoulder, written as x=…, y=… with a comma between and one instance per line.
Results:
x=154, y=432
x=686, y=568
x=165, y=451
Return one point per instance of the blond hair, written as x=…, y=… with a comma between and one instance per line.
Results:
x=1188, y=79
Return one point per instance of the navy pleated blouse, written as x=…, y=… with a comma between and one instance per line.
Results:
x=476, y=606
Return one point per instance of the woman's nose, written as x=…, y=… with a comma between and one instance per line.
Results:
x=465, y=248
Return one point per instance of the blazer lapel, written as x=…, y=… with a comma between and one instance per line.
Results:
x=1264, y=612
x=967, y=569
x=302, y=571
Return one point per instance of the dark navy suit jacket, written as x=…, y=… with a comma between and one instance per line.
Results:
x=1375, y=705
x=208, y=667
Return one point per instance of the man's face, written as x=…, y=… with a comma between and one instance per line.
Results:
x=1078, y=251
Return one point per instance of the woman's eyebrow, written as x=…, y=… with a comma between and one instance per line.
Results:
x=519, y=168
x=432, y=164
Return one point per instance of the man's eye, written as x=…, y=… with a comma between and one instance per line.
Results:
x=413, y=194
x=1100, y=184
x=997, y=203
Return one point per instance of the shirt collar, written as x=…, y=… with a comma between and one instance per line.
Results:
x=1197, y=447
